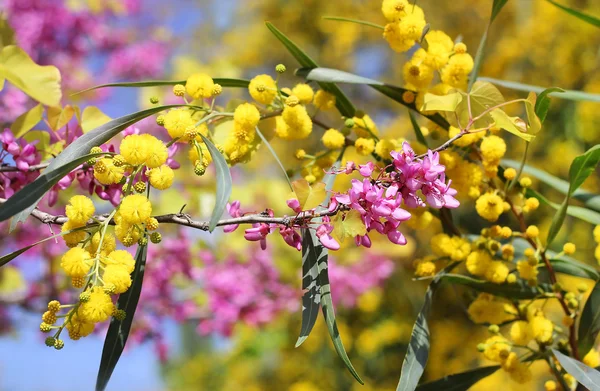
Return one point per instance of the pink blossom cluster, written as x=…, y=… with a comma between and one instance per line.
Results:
x=20, y=154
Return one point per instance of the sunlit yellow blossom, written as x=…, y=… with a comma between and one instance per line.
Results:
x=425, y=268
x=108, y=244
x=135, y=209
x=497, y=348
x=510, y=173
x=76, y=262
x=417, y=73
x=393, y=10
x=493, y=148
x=478, y=262
x=541, y=328
x=489, y=206
x=365, y=127
x=592, y=358
x=295, y=123
x=135, y=149
x=455, y=73
x=161, y=178
x=199, y=85
x=177, y=121
x=496, y=272
x=527, y=271
x=246, y=115
x=569, y=248
x=78, y=328
x=263, y=89
x=111, y=174
x=532, y=203
x=304, y=93
x=73, y=238
x=333, y=139
x=411, y=26
x=364, y=146
x=157, y=151
x=518, y=371
x=488, y=309
x=80, y=209
x=122, y=258
x=393, y=35
x=117, y=276
x=384, y=147
x=324, y=100
x=98, y=308
x=520, y=333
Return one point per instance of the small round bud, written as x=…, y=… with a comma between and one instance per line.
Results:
x=573, y=304
x=91, y=161
x=525, y=181
x=300, y=154
x=190, y=134
x=261, y=87
x=582, y=288
x=493, y=329
x=54, y=306
x=118, y=161
x=128, y=240
x=511, y=278
x=100, y=167
x=493, y=246
x=280, y=68
x=49, y=317
x=96, y=150
x=179, y=90
x=109, y=289
x=460, y=48
x=292, y=100
x=45, y=327
x=199, y=169
x=557, y=288
x=532, y=232
x=408, y=97
x=77, y=282
x=349, y=122
x=217, y=90
x=506, y=232
x=119, y=315
x=143, y=241
x=310, y=179
x=154, y=100
x=50, y=342
x=160, y=120
x=569, y=248
x=140, y=187
x=569, y=296
x=510, y=174
x=155, y=237
x=481, y=347
x=151, y=224
x=84, y=296
x=59, y=344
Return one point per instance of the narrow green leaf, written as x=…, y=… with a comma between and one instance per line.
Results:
x=459, y=381
x=32, y=192
x=328, y=75
x=223, y=81
x=591, y=200
x=478, y=57
x=417, y=129
x=582, y=167
x=565, y=94
x=543, y=102
x=118, y=331
x=588, y=377
x=357, y=21
x=589, y=324
x=496, y=8
x=417, y=354
x=519, y=290
x=266, y=142
x=343, y=104
x=594, y=21
x=224, y=183
x=578, y=212
x=557, y=221
x=74, y=151
x=568, y=265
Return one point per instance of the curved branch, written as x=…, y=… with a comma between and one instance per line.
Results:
x=37, y=167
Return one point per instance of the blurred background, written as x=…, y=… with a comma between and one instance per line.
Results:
x=217, y=313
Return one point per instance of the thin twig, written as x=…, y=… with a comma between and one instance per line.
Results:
x=37, y=167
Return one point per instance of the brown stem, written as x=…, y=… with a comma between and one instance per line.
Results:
x=37, y=167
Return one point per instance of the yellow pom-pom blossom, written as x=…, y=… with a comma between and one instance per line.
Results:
x=111, y=174
x=411, y=26
x=569, y=248
x=324, y=100
x=121, y=258
x=541, y=328
x=117, y=276
x=527, y=271
x=295, y=123
x=493, y=148
x=365, y=127
x=76, y=262
x=263, y=89
x=333, y=139
x=393, y=10
x=496, y=272
x=80, y=209
x=519, y=333
x=510, y=174
x=384, y=147
x=364, y=146
x=177, y=121
x=489, y=206
x=550, y=385
x=134, y=149
x=395, y=38
x=425, y=268
x=478, y=262
x=157, y=151
x=532, y=231
x=417, y=73
x=440, y=46
x=161, y=178
x=487, y=309
x=135, y=209
x=78, y=328
x=108, y=244
x=304, y=93
x=73, y=238
x=455, y=73
x=592, y=358
x=246, y=115
x=206, y=157
x=532, y=203
x=497, y=348
x=518, y=371
x=199, y=85
x=98, y=308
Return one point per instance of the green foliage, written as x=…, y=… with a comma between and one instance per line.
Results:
x=564, y=94
x=578, y=14
x=459, y=381
x=589, y=324
x=588, y=377
x=223, y=81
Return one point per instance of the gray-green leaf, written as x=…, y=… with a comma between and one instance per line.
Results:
x=589, y=325
x=588, y=377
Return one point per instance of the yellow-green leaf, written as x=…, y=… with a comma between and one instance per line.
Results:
x=27, y=121
x=7, y=34
x=92, y=117
x=59, y=117
x=448, y=102
x=348, y=226
x=483, y=96
x=43, y=139
x=42, y=83
x=514, y=125
x=309, y=196
x=535, y=125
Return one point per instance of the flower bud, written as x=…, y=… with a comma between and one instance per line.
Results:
x=280, y=68
x=50, y=342
x=155, y=237
x=154, y=100
x=59, y=344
